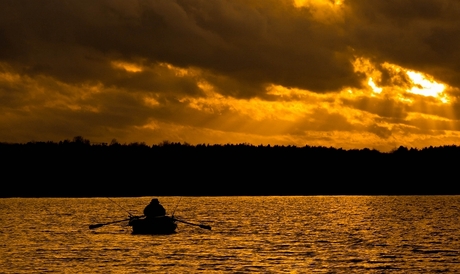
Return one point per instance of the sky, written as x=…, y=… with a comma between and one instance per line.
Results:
x=349, y=74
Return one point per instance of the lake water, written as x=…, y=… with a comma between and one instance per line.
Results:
x=310, y=234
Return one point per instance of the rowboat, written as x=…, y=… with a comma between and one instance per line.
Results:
x=158, y=225
x=162, y=225
x=153, y=225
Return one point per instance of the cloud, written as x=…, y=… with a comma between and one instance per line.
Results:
x=419, y=35
x=269, y=71
x=254, y=44
x=383, y=107
x=382, y=132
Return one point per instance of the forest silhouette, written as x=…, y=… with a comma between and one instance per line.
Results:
x=79, y=168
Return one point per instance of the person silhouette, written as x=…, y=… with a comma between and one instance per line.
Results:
x=154, y=209
x=155, y=221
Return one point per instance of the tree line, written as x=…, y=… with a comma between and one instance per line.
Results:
x=79, y=168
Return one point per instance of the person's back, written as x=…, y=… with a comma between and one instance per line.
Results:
x=154, y=209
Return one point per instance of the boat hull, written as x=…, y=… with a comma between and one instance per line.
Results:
x=158, y=225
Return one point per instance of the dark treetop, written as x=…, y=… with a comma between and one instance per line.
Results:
x=80, y=169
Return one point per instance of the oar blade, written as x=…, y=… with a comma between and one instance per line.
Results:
x=95, y=226
x=205, y=227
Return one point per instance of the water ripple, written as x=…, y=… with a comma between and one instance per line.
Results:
x=339, y=234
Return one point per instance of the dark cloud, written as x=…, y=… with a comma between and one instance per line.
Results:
x=156, y=79
x=382, y=132
x=252, y=43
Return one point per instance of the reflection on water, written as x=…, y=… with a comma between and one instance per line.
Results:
x=340, y=234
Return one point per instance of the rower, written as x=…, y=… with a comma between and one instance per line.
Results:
x=154, y=209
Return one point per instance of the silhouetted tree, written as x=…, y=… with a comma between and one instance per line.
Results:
x=114, y=142
x=174, y=168
x=81, y=140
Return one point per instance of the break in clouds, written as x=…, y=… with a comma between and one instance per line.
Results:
x=350, y=73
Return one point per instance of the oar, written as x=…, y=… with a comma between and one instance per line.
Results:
x=200, y=225
x=103, y=224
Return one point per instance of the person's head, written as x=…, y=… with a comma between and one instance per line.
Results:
x=154, y=201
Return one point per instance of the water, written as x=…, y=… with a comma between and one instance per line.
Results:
x=339, y=234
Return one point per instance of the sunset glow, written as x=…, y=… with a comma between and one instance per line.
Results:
x=373, y=86
x=425, y=87
x=323, y=3
x=127, y=66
